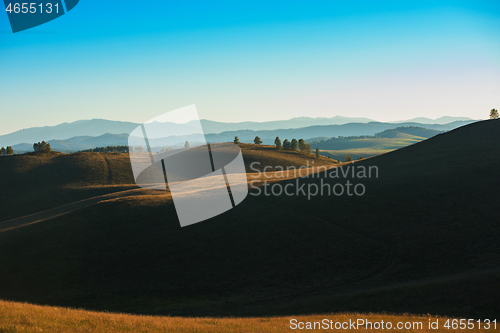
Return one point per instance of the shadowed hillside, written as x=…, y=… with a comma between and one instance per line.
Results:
x=424, y=238
x=36, y=182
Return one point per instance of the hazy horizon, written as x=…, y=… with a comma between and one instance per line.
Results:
x=243, y=121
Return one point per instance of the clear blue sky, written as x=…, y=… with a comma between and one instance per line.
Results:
x=253, y=60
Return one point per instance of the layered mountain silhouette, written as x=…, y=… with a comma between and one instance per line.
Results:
x=440, y=121
x=89, y=134
x=99, y=127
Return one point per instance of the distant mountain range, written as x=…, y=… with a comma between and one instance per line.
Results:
x=85, y=129
x=267, y=136
x=440, y=121
x=350, y=129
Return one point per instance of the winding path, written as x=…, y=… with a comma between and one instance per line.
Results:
x=66, y=209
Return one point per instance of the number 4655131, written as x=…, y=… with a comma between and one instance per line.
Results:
x=32, y=8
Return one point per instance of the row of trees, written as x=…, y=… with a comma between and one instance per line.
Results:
x=108, y=149
x=42, y=147
x=6, y=151
x=293, y=145
x=138, y=149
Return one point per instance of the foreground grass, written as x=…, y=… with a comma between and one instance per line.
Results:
x=22, y=317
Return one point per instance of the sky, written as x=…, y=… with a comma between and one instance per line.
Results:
x=253, y=61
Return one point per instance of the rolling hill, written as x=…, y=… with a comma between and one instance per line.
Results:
x=351, y=129
x=368, y=146
x=66, y=178
x=423, y=239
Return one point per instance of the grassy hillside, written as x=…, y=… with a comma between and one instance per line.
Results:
x=355, y=153
x=410, y=130
x=356, y=147
x=424, y=238
x=268, y=156
x=36, y=182
x=368, y=146
x=19, y=317
x=33, y=183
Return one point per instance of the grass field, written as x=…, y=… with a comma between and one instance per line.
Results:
x=355, y=153
x=423, y=239
x=20, y=317
x=367, y=147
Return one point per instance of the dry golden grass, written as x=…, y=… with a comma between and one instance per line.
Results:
x=23, y=317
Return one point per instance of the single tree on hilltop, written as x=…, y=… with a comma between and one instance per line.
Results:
x=304, y=147
x=277, y=142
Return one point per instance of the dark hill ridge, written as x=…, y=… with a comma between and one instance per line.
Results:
x=430, y=215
